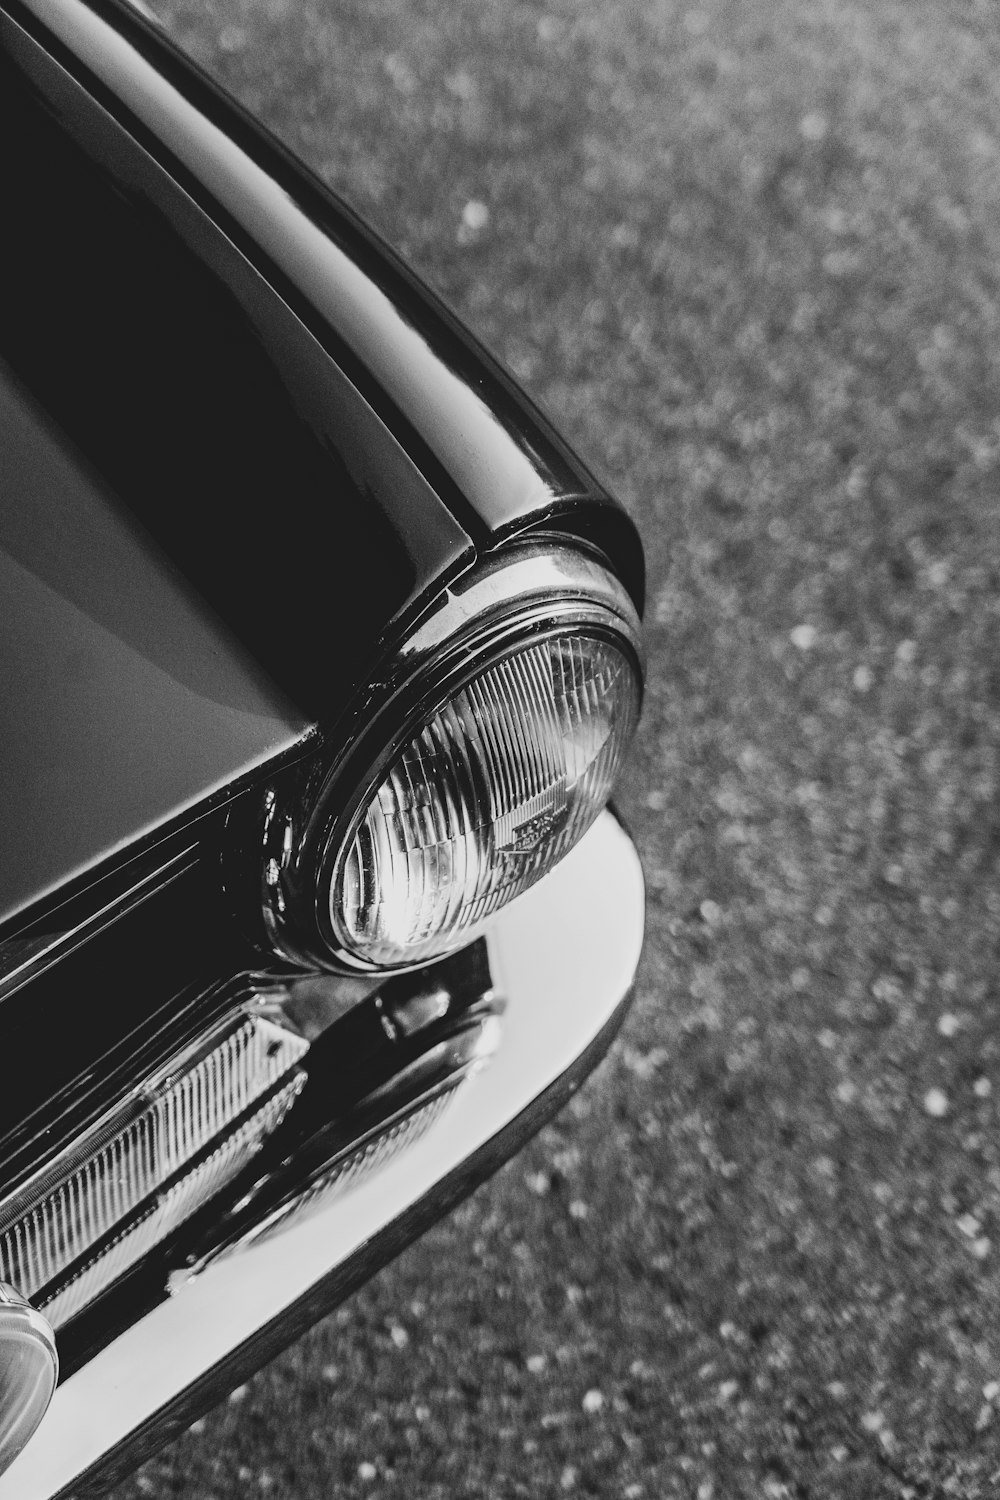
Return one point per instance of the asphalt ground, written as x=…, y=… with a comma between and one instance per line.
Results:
x=747, y=256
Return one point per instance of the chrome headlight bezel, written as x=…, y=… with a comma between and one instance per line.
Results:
x=530, y=594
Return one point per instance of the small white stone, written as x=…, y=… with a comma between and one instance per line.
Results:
x=981, y=1247
x=813, y=127
x=474, y=219
x=936, y=1103
x=872, y=1421
x=367, y=1472
x=948, y=1024
x=864, y=679
x=905, y=653
x=982, y=1088
x=578, y=1209
x=728, y=1389
x=240, y=1394
x=475, y=215
x=991, y=1390
x=536, y=1363
x=803, y=637
x=593, y=1401
x=643, y=1064
x=539, y=1183
x=399, y=1336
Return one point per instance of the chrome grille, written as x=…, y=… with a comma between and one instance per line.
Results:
x=109, y=1177
x=169, y=1210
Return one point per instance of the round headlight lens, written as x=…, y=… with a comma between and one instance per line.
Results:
x=490, y=792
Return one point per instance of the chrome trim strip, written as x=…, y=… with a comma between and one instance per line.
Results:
x=564, y=956
x=22, y=956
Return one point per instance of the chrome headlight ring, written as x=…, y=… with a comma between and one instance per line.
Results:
x=462, y=770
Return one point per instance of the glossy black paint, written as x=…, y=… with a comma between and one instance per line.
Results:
x=192, y=390
x=125, y=699
x=485, y=449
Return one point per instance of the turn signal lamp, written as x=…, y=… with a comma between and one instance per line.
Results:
x=29, y=1366
x=497, y=743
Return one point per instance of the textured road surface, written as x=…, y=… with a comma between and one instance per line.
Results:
x=747, y=255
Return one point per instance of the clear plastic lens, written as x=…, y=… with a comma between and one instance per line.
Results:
x=486, y=797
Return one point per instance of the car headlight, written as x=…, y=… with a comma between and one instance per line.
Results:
x=487, y=753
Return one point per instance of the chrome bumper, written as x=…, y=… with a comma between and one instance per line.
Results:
x=564, y=957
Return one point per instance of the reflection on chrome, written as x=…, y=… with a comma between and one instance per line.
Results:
x=328, y=1151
